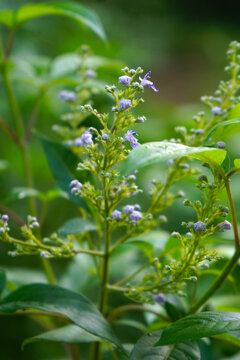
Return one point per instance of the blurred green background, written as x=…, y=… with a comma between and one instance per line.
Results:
x=183, y=43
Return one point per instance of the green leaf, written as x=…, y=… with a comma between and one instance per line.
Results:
x=76, y=226
x=228, y=338
x=156, y=152
x=145, y=349
x=74, y=11
x=20, y=193
x=221, y=125
x=3, y=280
x=3, y=165
x=63, y=163
x=51, y=298
x=203, y=324
x=71, y=334
x=237, y=163
x=145, y=247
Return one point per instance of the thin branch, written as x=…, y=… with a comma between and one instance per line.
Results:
x=9, y=131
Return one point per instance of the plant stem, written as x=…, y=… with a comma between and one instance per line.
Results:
x=217, y=283
x=233, y=211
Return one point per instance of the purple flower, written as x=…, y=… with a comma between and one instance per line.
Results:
x=86, y=138
x=5, y=217
x=160, y=298
x=128, y=209
x=216, y=110
x=125, y=104
x=225, y=225
x=78, y=142
x=136, y=215
x=105, y=137
x=75, y=185
x=200, y=226
x=116, y=215
x=67, y=95
x=221, y=145
x=2, y=230
x=129, y=136
x=124, y=80
x=35, y=224
x=90, y=73
x=170, y=161
x=146, y=82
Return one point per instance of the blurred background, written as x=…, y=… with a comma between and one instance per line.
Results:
x=183, y=43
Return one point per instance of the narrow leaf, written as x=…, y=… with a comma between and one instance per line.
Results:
x=51, y=298
x=221, y=125
x=156, y=152
x=203, y=324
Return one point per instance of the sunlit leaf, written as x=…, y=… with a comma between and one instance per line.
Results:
x=221, y=125
x=55, y=299
x=156, y=152
x=203, y=324
x=68, y=9
x=237, y=163
x=145, y=349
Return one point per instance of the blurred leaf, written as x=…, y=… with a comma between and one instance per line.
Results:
x=3, y=165
x=226, y=300
x=203, y=324
x=173, y=247
x=216, y=273
x=51, y=298
x=20, y=193
x=131, y=323
x=62, y=163
x=71, y=334
x=3, y=280
x=155, y=152
x=20, y=276
x=237, y=163
x=221, y=125
x=156, y=238
x=143, y=246
x=174, y=307
x=228, y=338
x=77, y=226
x=145, y=349
x=53, y=194
x=75, y=11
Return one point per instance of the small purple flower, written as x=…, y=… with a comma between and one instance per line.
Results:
x=128, y=209
x=78, y=142
x=146, y=82
x=160, y=298
x=124, y=80
x=200, y=226
x=35, y=224
x=86, y=138
x=221, y=145
x=105, y=137
x=116, y=215
x=125, y=104
x=136, y=215
x=129, y=136
x=89, y=73
x=2, y=230
x=5, y=217
x=216, y=111
x=44, y=254
x=75, y=184
x=170, y=161
x=225, y=225
x=67, y=95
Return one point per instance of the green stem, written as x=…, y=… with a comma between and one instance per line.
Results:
x=217, y=283
x=233, y=212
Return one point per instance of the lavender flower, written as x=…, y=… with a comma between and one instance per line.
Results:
x=125, y=104
x=86, y=138
x=105, y=137
x=216, y=110
x=89, y=73
x=124, y=80
x=200, y=226
x=225, y=225
x=67, y=95
x=160, y=298
x=35, y=224
x=221, y=145
x=129, y=136
x=136, y=215
x=146, y=82
x=5, y=217
x=128, y=209
x=2, y=230
x=78, y=142
x=116, y=215
x=44, y=254
x=75, y=185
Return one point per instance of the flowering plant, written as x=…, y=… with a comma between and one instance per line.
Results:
x=112, y=221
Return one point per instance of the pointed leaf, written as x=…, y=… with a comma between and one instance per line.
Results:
x=76, y=226
x=51, y=298
x=71, y=334
x=145, y=350
x=63, y=163
x=156, y=152
x=221, y=125
x=74, y=11
x=203, y=324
